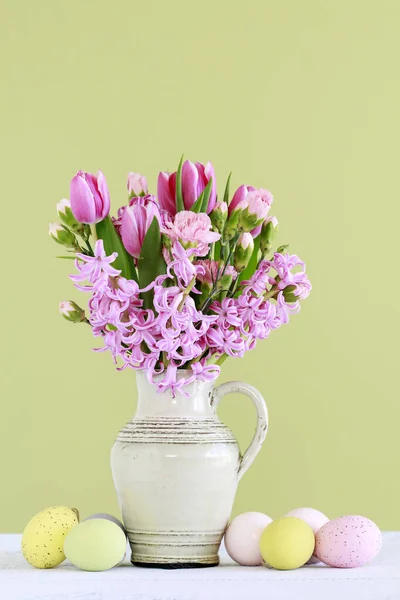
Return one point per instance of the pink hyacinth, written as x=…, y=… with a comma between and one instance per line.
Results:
x=284, y=265
x=192, y=230
x=94, y=268
x=183, y=268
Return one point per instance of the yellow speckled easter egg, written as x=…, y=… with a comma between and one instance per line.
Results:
x=95, y=545
x=43, y=537
x=287, y=543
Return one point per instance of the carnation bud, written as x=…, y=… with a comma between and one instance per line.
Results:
x=224, y=282
x=166, y=241
x=256, y=206
x=282, y=249
x=232, y=224
x=219, y=215
x=243, y=252
x=137, y=185
x=289, y=295
x=269, y=230
x=248, y=220
x=72, y=312
x=62, y=235
x=65, y=213
x=205, y=289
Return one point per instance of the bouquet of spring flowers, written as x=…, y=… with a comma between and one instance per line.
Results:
x=181, y=280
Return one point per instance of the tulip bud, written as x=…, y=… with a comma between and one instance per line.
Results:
x=289, y=295
x=137, y=185
x=72, y=312
x=62, y=235
x=136, y=220
x=269, y=230
x=90, y=199
x=219, y=215
x=243, y=252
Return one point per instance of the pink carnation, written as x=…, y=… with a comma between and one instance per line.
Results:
x=192, y=230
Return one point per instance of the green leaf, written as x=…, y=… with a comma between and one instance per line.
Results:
x=105, y=231
x=67, y=257
x=206, y=196
x=151, y=261
x=226, y=193
x=179, y=197
x=196, y=207
x=253, y=262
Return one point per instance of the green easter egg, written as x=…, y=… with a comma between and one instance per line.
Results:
x=95, y=545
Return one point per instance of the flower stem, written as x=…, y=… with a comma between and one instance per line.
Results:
x=272, y=292
x=89, y=247
x=186, y=293
x=94, y=232
x=214, y=289
x=221, y=359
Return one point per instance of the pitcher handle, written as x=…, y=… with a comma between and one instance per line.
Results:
x=232, y=387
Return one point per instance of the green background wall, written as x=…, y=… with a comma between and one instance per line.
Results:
x=300, y=97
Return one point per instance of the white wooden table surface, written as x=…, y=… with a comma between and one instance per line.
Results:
x=379, y=580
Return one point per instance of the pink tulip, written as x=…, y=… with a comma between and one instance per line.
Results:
x=135, y=222
x=89, y=197
x=195, y=177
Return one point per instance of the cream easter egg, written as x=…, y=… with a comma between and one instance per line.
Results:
x=43, y=538
x=314, y=518
x=350, y=541
x=287, y=543
x=242, y=538
x=95, y=545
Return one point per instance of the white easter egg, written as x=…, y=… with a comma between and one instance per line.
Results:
x=242, y=538
x=314, y=518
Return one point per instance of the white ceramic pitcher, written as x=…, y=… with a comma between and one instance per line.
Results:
x=176, y=468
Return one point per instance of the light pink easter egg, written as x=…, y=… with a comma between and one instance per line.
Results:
x=314, y=518
x=242, y=538
x=349, y=541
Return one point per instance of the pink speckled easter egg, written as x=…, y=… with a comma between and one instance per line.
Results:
x=347, y=542
x=314, y=518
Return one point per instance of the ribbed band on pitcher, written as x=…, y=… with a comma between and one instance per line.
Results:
x=175, y=547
